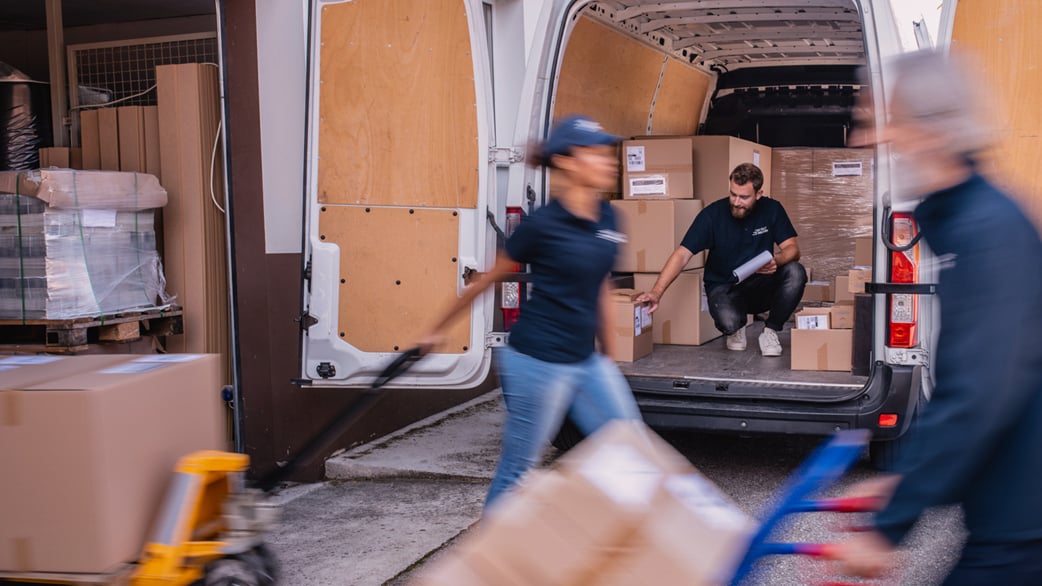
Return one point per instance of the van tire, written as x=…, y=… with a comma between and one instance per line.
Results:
x=567, y=437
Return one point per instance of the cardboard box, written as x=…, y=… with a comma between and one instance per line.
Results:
x=817, y=292
x=656, y=167
x=90, y=139
x=858, y=277
x=716, y=156
x=813, y=318
x=841, y=316
x=131, y=138
x=88, y=456
x=863, y=251
x=683, y=315
x=654, y=230
x=842, y=289
x=62, y=157
x=18, y=372
x=633, y=327
x=821, y=349
x=70, y=189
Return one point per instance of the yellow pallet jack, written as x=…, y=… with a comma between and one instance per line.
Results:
x=211, y=527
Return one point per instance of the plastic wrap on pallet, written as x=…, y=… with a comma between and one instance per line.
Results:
x=828, y=196
x=73, y=189
x=25, y=119
x=67, y=263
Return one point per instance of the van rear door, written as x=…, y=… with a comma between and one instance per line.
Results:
x=397, y=187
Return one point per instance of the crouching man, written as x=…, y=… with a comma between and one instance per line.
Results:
x=735, y=230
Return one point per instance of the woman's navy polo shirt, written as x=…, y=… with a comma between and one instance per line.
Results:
x=569, y=257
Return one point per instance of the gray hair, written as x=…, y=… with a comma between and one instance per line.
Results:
x=933, y=91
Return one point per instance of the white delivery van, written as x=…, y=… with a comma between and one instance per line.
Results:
x=419, y=114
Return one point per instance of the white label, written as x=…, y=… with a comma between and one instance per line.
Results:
x=637, y=321
x=98, y=218
x=648, y=185
x=623, y=474
x=901, y=308
x=705, y=302
x=133, y=368
x=645, y=317
x=634, y=159
x=166, y=358
x=812, y=322
x=756, y=158
x=21, y=360
x=852, y=168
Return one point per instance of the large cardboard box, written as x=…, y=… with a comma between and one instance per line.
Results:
x=683, y=315
x=89, y=455
x=716, y=156
x=633, y=326
x=18, y=372
x=821, y=349
x=657, y=168
x=654, y=230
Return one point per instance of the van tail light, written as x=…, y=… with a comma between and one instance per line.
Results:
x=903, y=308
x=510, y=303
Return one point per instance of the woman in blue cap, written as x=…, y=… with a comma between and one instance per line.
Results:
x=552, y=366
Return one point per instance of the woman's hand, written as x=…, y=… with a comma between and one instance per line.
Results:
x=430, y=342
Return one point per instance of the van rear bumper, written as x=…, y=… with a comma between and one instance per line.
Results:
x=891, y=389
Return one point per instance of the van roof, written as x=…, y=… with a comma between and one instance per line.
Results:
x=733, y=34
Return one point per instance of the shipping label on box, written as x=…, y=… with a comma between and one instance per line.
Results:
x=648, y=185
x=812, y=322
x=635, y=158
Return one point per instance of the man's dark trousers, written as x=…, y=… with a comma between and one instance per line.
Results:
x=779, y=293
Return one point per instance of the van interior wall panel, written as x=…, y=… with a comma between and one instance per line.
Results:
x=398, y=106
x=194, y=233
x=398, y=268
x=612, y=78
x=1001, y=37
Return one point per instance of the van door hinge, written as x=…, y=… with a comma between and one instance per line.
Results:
x=505, y=155
x=496, y=339
x=306, y=320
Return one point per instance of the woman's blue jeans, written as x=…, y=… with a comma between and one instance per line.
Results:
x=539, y=394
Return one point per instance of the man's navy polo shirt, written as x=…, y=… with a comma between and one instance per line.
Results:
x=731, y=241
x=570, y=257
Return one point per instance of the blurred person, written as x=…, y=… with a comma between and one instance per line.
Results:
x=552, y=366
x=978, y=442
x=734, y=230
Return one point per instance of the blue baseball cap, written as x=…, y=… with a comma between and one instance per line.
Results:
x=576, y=131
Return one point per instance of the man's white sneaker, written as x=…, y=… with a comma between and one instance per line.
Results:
x=736, y=341
x=769, y=344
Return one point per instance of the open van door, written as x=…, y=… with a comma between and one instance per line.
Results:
x=399, y=113
x=999, y=37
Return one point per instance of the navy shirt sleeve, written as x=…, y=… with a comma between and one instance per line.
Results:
x=782, y=228
x=521, y=246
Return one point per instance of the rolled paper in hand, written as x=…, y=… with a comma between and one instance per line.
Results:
x=749, y=267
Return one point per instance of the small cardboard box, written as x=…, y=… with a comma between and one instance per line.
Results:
x=821, y=349
x=89, y=455
x=683, y=315
x=863, y=251
x=716, y=156
x=817, y=291
x=813, y=318
x=842, y=289
x=841, y=316
x=657, y=168
x=654, y=230
x=858, y=277
x=633, y=326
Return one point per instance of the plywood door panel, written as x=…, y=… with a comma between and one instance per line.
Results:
x=1001, y=36
x=398, y=269
x=398, y=114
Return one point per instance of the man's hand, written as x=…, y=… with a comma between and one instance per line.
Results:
x=867, y=554
x=649, y=296
x=769, y=268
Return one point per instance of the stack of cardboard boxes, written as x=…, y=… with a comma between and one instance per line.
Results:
x=666, y=181
x=622, y=508
x=823, y=336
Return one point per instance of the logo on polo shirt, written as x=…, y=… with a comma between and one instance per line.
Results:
x=760, y=231
x=612, y=236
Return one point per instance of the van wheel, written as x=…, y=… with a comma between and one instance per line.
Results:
x=568, y=436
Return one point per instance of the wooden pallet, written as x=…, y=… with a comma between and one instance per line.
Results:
x=69, y=336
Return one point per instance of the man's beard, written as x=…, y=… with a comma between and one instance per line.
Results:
x=741, y=213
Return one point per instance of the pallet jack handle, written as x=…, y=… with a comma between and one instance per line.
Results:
x=348, y=416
